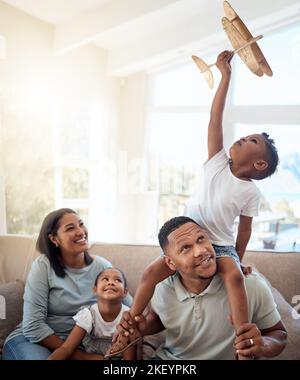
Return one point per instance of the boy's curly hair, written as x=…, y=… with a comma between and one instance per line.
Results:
x=271, y=156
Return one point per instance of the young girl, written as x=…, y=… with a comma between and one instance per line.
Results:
x=227, y=192
x=95, y=325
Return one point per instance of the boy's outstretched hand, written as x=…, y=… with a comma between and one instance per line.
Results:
x=223, y=62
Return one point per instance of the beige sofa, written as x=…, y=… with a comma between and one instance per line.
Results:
x=18, y=252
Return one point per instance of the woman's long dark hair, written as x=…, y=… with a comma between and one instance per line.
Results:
x=45, y=246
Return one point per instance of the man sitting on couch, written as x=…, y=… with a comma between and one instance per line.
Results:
x=192, y=305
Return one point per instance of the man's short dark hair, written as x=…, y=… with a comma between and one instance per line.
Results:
x=271, y=156
x=170, y=226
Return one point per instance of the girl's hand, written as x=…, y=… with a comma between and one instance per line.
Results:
x=223, y=62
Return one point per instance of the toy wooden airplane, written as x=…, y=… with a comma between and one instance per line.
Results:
x=243, y=43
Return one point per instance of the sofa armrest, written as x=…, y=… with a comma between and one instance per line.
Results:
x=292, y=325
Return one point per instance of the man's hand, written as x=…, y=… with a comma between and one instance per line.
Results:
x=223, y=62
x=127, y=321
x=249, y=342
x=128, y=324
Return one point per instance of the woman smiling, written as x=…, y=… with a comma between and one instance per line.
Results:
x=59, y=283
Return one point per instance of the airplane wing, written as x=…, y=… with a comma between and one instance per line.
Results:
x=237, y=40
x=205, y=70
x=235, y=20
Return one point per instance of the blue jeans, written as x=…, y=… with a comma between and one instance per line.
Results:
x=19, y=348
x=226, y=251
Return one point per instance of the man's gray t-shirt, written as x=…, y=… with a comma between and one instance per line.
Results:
x=197, y=326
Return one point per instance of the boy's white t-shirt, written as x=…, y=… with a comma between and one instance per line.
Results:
x=221, y=198
x=84, y=320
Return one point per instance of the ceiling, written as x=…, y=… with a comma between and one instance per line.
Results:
x=56, y=11
x=139, y=34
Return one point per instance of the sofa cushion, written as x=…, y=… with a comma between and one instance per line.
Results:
x=292, y=325
x=132, y=259
x=281, y=269
x=16, y=256
x=11, y=308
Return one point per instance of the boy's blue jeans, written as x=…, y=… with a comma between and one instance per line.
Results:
x=19, y=348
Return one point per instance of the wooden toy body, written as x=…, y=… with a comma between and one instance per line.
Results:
x=239, y=35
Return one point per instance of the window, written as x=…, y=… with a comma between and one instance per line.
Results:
x=277, y=225
x=71, y=153
x=80, y=146
x=179, y=156
x=181, y=86
x=282, y=50
x=28, y=169
x=178, y=115
x=52, y=164
x=75, y=183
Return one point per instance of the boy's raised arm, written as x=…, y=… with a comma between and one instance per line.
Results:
x=215, y=132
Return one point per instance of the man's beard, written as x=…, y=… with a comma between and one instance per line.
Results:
x=209, y=277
